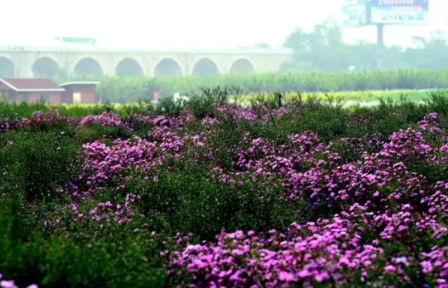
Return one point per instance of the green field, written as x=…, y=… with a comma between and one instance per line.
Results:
x=364, y=98
x=129, y=89
x=346, y=99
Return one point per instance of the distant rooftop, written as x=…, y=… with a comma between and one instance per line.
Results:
x=78, y=83
x=91, y=48
x=31, y=84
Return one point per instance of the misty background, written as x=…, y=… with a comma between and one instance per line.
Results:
x=193, y=24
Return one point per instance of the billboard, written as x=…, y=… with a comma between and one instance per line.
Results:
x=76, y=40
x=398, y=11
x=355, y=13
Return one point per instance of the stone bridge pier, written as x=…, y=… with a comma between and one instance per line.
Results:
x=26, y=62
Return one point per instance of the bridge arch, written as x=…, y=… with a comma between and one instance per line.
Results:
x=242, y=66
x=168, y=67
x=129, y=67
x=205, y=67
x=7, y=68
x=88, y=66
x=45, y=67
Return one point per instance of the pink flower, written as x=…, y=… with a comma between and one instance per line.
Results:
x=239, y=234
x=7, y=284
x=303, y=273
x=401, y=260
x=427, y=266
x=286, y=276
x=237, y=252
x=401, y=228
x=321, y=276
x=390, y=269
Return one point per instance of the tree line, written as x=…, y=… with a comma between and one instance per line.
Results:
x=324, y=49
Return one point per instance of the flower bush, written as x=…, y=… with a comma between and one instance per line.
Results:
x=306, y=195
x=10, y=283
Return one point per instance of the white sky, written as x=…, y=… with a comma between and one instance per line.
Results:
x=181, y=23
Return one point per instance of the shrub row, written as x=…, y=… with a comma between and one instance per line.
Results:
x=127, y=89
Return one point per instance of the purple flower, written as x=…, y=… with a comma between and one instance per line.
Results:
x=286, y=276
x=427, y=266
x=7, y=284
x=390, y=269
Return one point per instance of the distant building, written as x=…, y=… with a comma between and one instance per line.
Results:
x=31, y=90
x=47, y=91
x=79, y=92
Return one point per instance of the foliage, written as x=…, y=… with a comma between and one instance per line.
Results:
x=323, y=49
x=36, y=163
x=131, y=89
x=212, y=193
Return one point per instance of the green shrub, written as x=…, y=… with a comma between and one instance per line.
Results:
x=86, y=259
x=45, y=240
x=130, y=89
x=186, y=200
x=39, y=163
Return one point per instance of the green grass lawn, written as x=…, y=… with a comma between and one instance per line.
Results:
x=351, y=98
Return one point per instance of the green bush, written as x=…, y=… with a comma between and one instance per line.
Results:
x=51, y=239
x=184, y=199
x=130, y=89
x=74, y=259
x=38, y=163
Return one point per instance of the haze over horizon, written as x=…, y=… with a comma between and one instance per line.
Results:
x=194, y=24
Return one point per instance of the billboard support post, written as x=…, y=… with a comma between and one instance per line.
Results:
x=380, y=46
x=380, y=13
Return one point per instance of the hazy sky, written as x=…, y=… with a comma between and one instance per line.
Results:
x=180, y=23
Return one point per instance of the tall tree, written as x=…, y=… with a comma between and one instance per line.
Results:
x=323, y=48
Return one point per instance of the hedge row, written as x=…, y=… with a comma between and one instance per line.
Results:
x=126, y=89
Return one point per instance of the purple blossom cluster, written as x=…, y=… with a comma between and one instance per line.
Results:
x=106, y=119
x=122, y=214
x=373, y=204
x=108, y=165
x=256, y=113
x=313, y=252
x=38, y=118
x=375, y=220
x=110, y=119
x=11, y=283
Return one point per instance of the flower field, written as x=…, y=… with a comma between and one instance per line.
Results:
x=216, y=195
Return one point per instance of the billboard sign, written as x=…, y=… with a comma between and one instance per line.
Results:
x=74, y=40
x=399, y=11
x=355, y=13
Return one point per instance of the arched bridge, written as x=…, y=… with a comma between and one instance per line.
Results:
x=24, y=62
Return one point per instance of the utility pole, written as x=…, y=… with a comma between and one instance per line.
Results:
x=280, y=103
x=380, y=13
x=380, y=47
